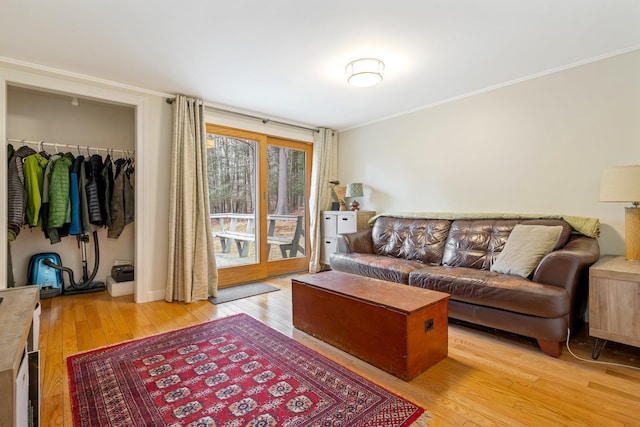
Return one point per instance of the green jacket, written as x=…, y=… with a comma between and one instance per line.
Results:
x=33, y=168
x=59, y=187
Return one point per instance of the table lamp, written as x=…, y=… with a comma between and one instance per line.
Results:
x=354, y=190
x=622, y=184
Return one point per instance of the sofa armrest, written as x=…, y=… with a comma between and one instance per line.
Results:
x=562, y=267
x=568, y=268
x=359, y=242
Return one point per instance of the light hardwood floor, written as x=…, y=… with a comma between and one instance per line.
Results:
x=489, y=378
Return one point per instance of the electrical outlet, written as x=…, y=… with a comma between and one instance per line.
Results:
x=428, y=325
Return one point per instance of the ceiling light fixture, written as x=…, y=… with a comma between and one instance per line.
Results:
x=364, y=72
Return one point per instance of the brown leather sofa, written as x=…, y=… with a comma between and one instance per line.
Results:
x=455, y=256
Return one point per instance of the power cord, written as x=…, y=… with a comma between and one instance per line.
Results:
x=596, y=361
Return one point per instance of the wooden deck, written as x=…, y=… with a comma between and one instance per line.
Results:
x=489, y=378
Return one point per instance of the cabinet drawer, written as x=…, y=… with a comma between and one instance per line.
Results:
x=347, y=223
x=329, y=246
x=329, y=225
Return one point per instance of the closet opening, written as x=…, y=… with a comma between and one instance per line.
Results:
x=58, y=125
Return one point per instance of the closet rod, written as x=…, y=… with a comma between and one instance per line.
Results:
x=42, y=144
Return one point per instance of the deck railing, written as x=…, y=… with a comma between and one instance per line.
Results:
x=239, y=230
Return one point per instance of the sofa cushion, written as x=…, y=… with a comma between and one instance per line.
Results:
x=476, y=243
x=411, y=239
x=490, y=289
x=525, y=248
x=376, y=266
x=566, y=229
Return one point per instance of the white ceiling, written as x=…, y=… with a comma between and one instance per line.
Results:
x=285, y=59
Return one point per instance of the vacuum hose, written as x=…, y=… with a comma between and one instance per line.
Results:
x=86, y=279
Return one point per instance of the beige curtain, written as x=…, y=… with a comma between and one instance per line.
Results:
x=192, y=273
x=324, y=169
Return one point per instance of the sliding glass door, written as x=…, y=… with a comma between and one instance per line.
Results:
x=258, y=187
x=288, y=183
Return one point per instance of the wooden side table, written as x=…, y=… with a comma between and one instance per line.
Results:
x=614, y=302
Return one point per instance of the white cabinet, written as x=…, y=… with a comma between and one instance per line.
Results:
x=340, y=222
x=19, y=385
x=329, y=224
x=22, y=391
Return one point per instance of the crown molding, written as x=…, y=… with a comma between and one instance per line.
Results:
x=84, y=77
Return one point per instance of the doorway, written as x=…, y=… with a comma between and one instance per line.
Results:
x=258, y=190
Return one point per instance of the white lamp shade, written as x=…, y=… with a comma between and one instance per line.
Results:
x=620, y=184
x=364, y=72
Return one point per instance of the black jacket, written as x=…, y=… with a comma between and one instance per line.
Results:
x=95, y=189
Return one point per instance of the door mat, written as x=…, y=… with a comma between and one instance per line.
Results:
x=242, y=291
x=234, y=371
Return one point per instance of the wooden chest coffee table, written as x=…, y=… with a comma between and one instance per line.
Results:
x=398, y=328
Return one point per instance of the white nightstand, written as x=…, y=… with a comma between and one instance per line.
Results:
x=614, y=302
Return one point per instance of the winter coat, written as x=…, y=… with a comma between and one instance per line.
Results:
x=107, y=174
x=74, y=196
x=59, y=187
x=51, y=234
x=117, y=203
x=129, y=197
x=34, y=166
x=122, y=200
x=17, y=195
x=12, y=230
x=87, y=227
x=95, y=190
x=75, y=227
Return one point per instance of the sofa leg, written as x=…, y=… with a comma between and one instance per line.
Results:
x=552, y=348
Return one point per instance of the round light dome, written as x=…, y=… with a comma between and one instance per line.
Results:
x=364, y=72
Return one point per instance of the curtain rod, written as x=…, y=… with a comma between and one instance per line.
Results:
x=250, y=116
x=41, y=144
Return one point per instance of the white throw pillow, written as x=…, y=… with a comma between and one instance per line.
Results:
x=525, y=248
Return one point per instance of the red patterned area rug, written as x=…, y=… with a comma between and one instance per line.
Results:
x=231, y=372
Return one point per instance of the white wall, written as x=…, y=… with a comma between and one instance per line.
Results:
x=39, y=115
x=252, y=125
x=537, y=146
x=153, y=147
x=43, y=116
